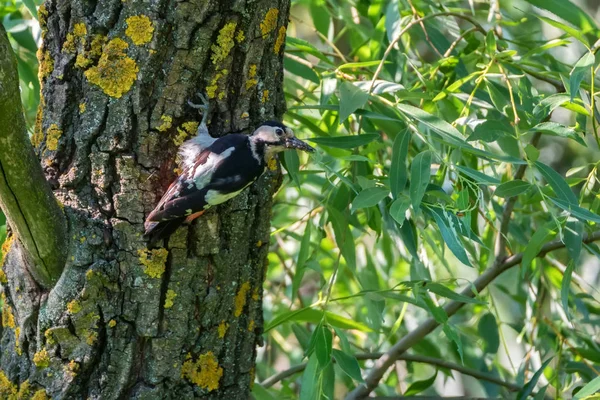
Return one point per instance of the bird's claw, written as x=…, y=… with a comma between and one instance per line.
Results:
x=204, y=105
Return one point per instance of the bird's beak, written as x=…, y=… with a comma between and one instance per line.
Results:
x=292, y=142
x=295, y=143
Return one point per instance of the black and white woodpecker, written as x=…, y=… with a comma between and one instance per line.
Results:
x=215, y=170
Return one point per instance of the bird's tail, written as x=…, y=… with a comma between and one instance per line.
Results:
x=156, y=231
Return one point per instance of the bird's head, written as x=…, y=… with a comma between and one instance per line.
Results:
x=276, y=137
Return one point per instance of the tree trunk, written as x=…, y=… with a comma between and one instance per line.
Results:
x=124, y=321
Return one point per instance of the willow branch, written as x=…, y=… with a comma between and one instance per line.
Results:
x=25, y=195
x=405, y=357
x=395, y=352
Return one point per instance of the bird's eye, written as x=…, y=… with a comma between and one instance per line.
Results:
x=279, y=131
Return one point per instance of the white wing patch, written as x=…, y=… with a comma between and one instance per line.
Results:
x=214, y=197
x=190, y=149
x=204, y=172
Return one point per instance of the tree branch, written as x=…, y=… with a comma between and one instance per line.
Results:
x=25, y=195
x=415, y=336
x=405, y=357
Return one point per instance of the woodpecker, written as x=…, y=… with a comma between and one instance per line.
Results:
x=216, y=170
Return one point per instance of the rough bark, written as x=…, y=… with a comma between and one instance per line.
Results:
x=124, y=321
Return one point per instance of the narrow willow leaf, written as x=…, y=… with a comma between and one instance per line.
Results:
x=398, y=209
x=589, y=389
x=443, y=291
x=420, y=172
x=398, y=170
x=301, y=70
x=449, y=235
x=568, y=11
x=528, y=388
x=306, y=47
x=351, y=99
x=582, y=68
x=565, y=288
x=343, y=237
x=556, y=129
x=311, y=315
x=369, y=197
x=539, y=238
x=419, y=386
x=576, y=211
x=345, y=142
x=479, y=177
x=557, y=182
x=348, y=364
x=323, y=345
x=511, y=188
x=453, y=335
x=310, y=383
x=436, y=311
x=573, y=239
x=261, y=393
x=488, y=331
x=301, y=260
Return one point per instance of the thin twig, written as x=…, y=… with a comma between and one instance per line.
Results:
x=405, y=357
x=415, y=336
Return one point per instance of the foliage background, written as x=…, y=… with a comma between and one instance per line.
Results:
x=403, y=204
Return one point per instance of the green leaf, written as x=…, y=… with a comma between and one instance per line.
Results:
x=420, y=172
x=343, y=237
x=576, y=211
x=30, y=4
x=261, y=393
x=512, y=188
x=363, y=64
x=488, y=331
x=478, y=176
x=539, y=238
x=348, y=364
x=292, y=165
x=323, y=345
x=301, y=70
x=453, y=335
x=301, y=260
x=345, y=142
x=528, y=388
x=419, y=386
x=311, y=315
x=573, y=239
x=351, y=99
x=581, y=68
x=558, y=184
x=449, y=235
x=369, y=197
x=398, y=209
x=310, y=386
x=575, y=33
x=568, y=11
x=591, y=388
x=565, y=288
x=555, y=129
x=398, y=170
x=436, y=311
x=443, y=291
x=306, y=47
x=490, y=43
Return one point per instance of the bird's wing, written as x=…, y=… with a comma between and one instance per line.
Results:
x=188, y=194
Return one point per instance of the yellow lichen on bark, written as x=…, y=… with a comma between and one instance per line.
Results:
x=115, y=72
x=82, y=107
x=153, y=261
x=53, y=134
x=40, y=395
x=240, y=299
x=224, y=44
x=169, y=298
x=265, y=96
x=8, y=318
x=211, y=90
x=205, y=372
x=240, y=37
x=167, y=121
x=188, y=129
x=74, y=307
x=252, y=81
x=41, y=359
x=46, y=64
x=280, y=40
x=139, y=29
x=270, y=21
x=223, y=326
x=112, y=323
x=7, y=388
x=18, y=348
x=75, y=38
x=251, y=325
